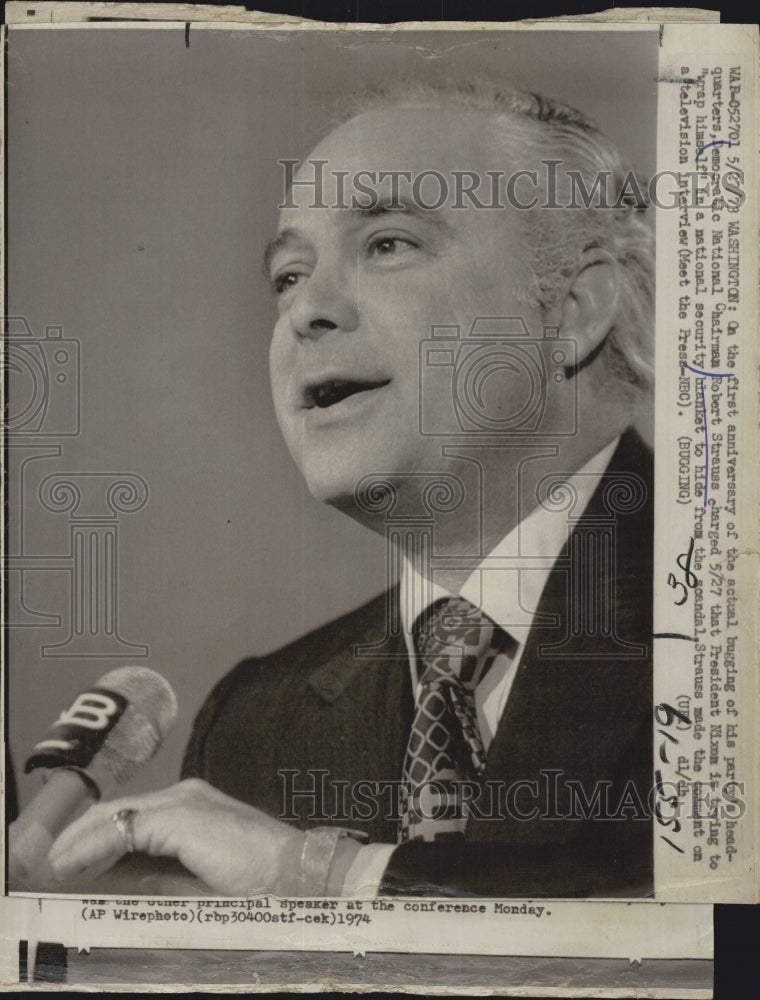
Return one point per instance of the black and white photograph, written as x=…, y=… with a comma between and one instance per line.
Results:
x=336, y=573
x=349, y=364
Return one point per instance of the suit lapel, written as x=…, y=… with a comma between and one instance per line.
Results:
x=363, y=646
x=582, y=687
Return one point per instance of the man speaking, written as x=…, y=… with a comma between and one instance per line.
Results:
x=462, y=352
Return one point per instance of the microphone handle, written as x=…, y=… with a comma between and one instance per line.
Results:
x=31, y=836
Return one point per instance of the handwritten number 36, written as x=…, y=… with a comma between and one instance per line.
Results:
x=689, y=581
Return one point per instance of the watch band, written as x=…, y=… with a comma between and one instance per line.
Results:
x=317, y=855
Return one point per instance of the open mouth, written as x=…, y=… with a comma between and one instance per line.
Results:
x=327, y=394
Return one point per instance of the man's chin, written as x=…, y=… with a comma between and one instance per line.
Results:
x=328, y=484
x=331, y=493
x=364, y=496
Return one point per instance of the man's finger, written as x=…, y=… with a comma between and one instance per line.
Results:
x=95, y=838
x=88, y=842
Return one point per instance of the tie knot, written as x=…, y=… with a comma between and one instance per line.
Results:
x=456, y=641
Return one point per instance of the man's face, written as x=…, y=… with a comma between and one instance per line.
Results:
x=358, y=291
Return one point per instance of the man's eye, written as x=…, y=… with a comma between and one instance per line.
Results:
x=285, y=281
x=385, y=246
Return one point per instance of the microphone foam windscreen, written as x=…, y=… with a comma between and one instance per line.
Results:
x=148, y=691
x=149, y=714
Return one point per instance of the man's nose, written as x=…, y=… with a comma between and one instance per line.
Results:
x=326, y=301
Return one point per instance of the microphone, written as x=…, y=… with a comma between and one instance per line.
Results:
x=97, y=744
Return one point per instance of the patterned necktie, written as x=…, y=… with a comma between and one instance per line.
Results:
x=456, y=645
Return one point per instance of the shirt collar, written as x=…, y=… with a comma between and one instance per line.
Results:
x=508, y=583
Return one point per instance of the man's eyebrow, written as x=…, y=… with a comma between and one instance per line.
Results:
x=281, y=241
x=400, y=205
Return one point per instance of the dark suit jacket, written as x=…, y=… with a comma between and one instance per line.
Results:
x=577, y=724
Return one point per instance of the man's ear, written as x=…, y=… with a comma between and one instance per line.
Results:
x=586, y=312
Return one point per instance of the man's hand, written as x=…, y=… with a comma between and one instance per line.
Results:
x=235, y=849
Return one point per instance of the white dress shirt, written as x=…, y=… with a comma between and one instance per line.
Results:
x=507, y=586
